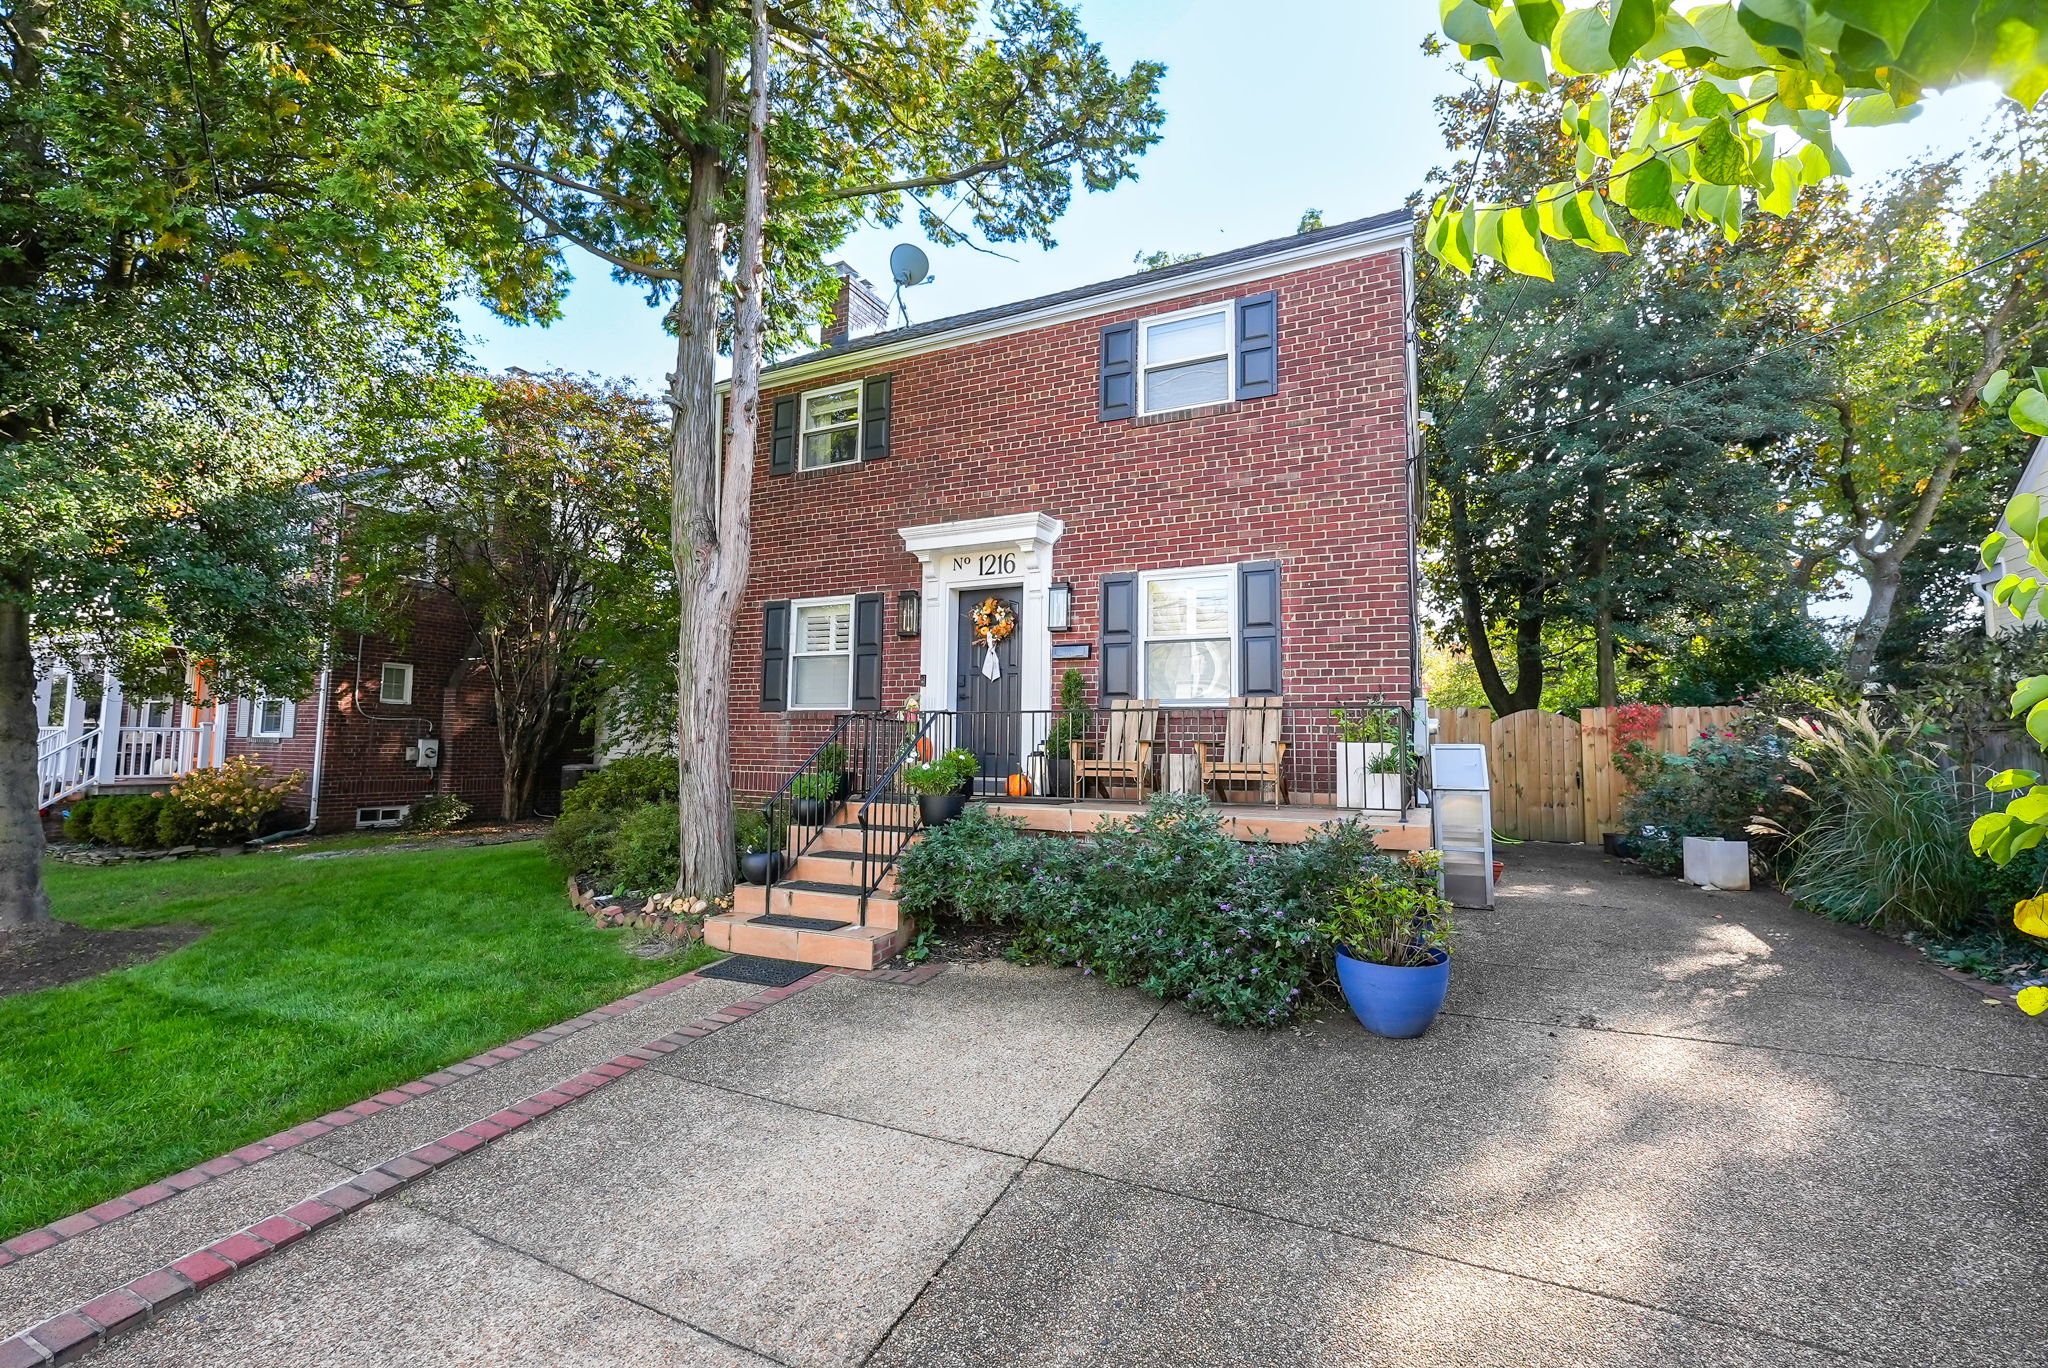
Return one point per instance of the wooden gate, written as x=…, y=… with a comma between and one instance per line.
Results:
x=1606, y=789
x=1537, y=792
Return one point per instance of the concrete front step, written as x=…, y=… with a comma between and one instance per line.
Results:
x=847, y=838
x=806, y=898
x=846, y=947
x=835, y=867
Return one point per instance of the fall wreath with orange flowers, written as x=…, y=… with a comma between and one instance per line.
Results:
x=994, y=620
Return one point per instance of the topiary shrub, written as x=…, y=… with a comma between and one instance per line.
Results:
x=78, y=819
x=135, y=820
x=105, y=826
x=176, y=825
x=646, y=850
x=626, y=783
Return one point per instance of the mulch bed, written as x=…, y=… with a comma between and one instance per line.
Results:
x=63, y=953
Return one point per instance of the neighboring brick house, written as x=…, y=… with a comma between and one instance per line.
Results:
x=1209, y=469
x=357, y=736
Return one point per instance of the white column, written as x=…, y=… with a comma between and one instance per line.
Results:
x=110, y=728
x=74, y=709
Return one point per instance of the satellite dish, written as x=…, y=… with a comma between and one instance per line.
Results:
x=908, y=265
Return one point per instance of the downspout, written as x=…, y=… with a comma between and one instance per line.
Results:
x=321, y=693
x=1418, y=475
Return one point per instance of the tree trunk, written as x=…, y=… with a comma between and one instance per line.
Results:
x=1605, y=682
x=712, y=513
x=1884, y=575
x=23, y=904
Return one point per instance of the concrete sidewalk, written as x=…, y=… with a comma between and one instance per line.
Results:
x=1658, y=1127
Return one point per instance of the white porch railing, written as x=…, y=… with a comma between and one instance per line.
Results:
x=138, y=753
x=65, y=767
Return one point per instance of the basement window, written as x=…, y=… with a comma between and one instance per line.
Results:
x=369, y=818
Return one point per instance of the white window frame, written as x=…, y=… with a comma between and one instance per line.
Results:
x=1234, y=633
x=804, y=431
x=284, y=717
x=1228, y=308
x=145, y=714
x=796, y=608
x=384, y=693
x=388, y=815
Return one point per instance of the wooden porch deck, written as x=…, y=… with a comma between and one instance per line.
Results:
x=1285, y=825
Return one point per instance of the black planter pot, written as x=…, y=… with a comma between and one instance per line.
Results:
x=1059, y=776
x=758, y=867
x=937, y=809
x=812, y=811
x=845, y=789
x=1617, y=844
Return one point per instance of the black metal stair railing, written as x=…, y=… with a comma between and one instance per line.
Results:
x=890, y=815
x=811, y=798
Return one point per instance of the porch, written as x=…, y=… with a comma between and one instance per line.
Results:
x=89, y=736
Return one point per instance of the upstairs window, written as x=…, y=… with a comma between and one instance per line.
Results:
x=1184, y=360
x=821, y=655
x=831, y=427
x=1189, y=630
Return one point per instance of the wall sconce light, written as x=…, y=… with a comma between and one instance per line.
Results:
x=909, y=613
x=1059, y=607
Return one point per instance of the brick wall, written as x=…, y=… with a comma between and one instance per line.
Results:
x=1315, y=477
x=365, y=764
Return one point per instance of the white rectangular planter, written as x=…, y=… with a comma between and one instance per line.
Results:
x=1383, y=792
x=1713, y=863
x=1355, y=782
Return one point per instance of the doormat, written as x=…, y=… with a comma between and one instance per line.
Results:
x=758, y=969
x=799, y=923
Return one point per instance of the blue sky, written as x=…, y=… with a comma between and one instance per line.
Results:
x=1317, y=103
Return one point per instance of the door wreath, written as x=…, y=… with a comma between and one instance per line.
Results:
x=993, y=621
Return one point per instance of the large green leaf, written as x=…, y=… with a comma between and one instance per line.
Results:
x=1720, y=157
x=1989, y=551
x=1783, y=195
x=1890, y=21
x=1470, y=26
x=1776, y=23
x=1580, y=43
x=1994, y=388
x=1521, y=237
x=1874, y=111
x=1648, y=194
x=1521, y=58
x=1539, y=18
x=1634, y=23
x=1598, y=229
x=2029, y=413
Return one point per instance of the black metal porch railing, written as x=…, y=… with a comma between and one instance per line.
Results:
x=1299, y=754
x=814, y=794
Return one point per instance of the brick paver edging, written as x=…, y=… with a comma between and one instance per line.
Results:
x=33, y=1242
x=72, y=1334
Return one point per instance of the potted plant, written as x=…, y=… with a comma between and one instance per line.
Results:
x=1390, y=930
x=941, y=784
x=813, y=797
x=754, y=833
x=1069, y=726
x=1362, y=740
x=832, y=761
x=1383, y=781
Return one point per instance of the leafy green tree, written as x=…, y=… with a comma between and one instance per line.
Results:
x=661, y=140
x=540, y=507
x=204, y=291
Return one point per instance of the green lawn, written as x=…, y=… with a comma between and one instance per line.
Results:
x=319, y=983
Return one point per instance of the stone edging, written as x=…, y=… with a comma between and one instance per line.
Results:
x=32, y=1242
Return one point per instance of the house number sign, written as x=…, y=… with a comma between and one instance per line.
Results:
x=993, y=563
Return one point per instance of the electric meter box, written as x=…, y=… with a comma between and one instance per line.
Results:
x=1461, y=818
x=429, y=752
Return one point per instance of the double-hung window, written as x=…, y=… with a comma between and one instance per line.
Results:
x=1188, y=626
x=1184, y=359
x=821, y=655
x=394, y=682
x=269, y=717
x=830, y=427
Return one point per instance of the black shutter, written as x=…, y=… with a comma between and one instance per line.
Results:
x=1119, y=636
x=1258, y=629
x=782, y=439
x=874, y=417
x=867, y=652
x=775, y=656
x=1258, y=332
x=1119, y=375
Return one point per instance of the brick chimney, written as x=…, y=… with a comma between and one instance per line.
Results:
x=856, y=308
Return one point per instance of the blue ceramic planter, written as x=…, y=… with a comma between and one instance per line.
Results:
x=1398, y=1003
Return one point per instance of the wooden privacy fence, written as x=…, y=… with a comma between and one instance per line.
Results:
x=1554, y=779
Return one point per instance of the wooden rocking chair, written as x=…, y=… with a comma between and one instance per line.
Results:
x=1127, y=739
x=1252, y=751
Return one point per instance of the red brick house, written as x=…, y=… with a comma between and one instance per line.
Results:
x=1194, y=484
x=387, y=723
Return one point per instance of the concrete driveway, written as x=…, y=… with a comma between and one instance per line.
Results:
x=1658, y=1126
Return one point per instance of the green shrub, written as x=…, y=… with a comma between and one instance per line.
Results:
x=646, y=850
x=135, y=820
x=1718, y=788
x=945, y=775
x=1394, y=913
x=815, y=786
x=106, y=818
x=229, y=802
x=1166, y=901
x=437, y=813
x=832, y=758
x=626, y=783
x=1888, y=844
x=78, y=819
x=580, y=841
x=176, y=825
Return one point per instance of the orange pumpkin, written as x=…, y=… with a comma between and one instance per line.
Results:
x=924, y=748
x=1020, y=787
